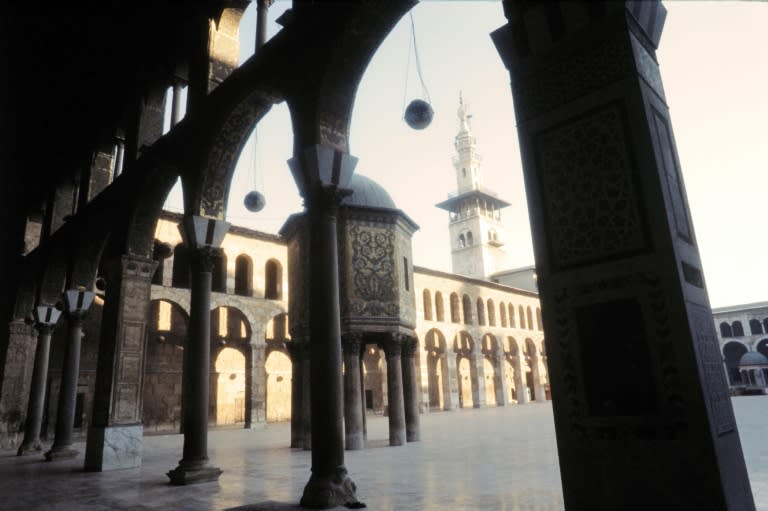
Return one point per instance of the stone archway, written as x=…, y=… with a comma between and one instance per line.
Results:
x=278, y=368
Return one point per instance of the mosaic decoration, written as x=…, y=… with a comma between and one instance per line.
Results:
x=373, y=266
x=589, y=191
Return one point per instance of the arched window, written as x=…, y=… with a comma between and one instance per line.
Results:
x=462, y=241
x=440, y=316
x=455, y=315
x=469, y=239
x=491, y=313
x=480, y=312
x=467, y=305
x=243, y=275
x=755, y=327
x=511, y=316
x=732, y=352
x=539, y=324
x=521, y=315
x=180, y=276
x=273, y=280
x=529, y=315
x=738, y=330
x=725, y=330
x=219, y=273
x=503, y=314
x=427, y=297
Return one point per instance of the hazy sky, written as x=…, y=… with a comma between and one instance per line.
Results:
x=715, y=76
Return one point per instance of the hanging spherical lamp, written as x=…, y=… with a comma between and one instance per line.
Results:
x=254, y=201
x=419, y=114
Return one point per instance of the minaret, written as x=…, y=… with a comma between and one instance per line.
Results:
x=477, y=234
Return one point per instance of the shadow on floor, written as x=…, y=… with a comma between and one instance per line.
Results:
x=269, y=505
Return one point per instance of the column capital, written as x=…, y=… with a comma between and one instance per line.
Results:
x=352, y=342
x=203, y=259
x=321, y=167
x=129, y=265
x=202, y=232
x=393, y=346
x=410, y=345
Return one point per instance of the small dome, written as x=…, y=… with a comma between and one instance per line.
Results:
x=753, y=358
x=367, y=193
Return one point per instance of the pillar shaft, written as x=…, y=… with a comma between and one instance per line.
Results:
x=306, y=398
x=296, y=393
x=616, y=251
x=194, y=467
x=411, y=393
x=115, y=433
x=65, y=411
x=502, y=387
x=393, y=351
x=255, y=388
x=34, y=420
x=353, y=407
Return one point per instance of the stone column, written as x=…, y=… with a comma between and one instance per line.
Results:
x=329, y=484
x=521, y=390
x=411, y=391
x=115, y=433
x=194, y=466
x=306, y=397
x=451, y=397
x=477, y=375
x=31, y=442
x=15, y=374
x=294, y=349
x=65, y=412
x=255, y=385
x=616, y=252
x=353, y=408
x=393, y=349
x=502, y=388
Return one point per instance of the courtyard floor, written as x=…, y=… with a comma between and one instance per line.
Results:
x=488, y=459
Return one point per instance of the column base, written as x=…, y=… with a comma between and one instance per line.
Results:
x=113, y=448
x=413, y=435
x=354, y=441
x=61, y=453
x=193, y=473
x=327, y=492
x=29, y=448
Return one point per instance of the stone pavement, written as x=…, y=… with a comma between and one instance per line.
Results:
x=488, y=459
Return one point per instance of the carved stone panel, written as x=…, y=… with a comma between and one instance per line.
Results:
x=590, y=190
x=372, y=287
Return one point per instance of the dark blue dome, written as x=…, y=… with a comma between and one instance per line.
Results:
x=367, y=193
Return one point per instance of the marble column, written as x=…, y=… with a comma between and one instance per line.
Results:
x=294, y=349
x=393, y=350
x=521, y=389
x=306, y=398
x=31, y=442
x=194, y=466
x=411, y=391
x=255, y=385
x=329, y=485
x=65, y=412
x=354, y=437
x=115, y=433
x=616, y=253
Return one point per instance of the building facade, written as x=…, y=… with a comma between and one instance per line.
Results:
x=743, y=337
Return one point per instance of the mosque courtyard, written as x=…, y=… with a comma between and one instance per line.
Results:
x=479, y=459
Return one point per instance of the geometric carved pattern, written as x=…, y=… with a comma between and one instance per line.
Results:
x=373, y=266
x=589, y=191
x=711, y=370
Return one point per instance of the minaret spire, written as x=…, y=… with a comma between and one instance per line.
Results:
x=477, y=234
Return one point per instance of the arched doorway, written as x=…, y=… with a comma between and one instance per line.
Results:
x=229, y=403
x=438, y=380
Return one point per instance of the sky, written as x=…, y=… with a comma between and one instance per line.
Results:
x=715, y=77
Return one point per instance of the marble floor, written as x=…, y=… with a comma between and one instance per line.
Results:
x=488, y=459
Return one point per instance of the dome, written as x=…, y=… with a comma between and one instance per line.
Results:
x=367, y=193
x=753, y=358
